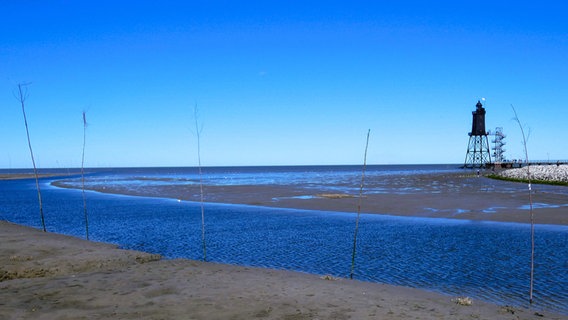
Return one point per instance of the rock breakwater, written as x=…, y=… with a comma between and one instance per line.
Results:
x=550, y=173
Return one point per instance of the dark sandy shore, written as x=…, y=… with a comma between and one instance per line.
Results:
x=51, y=276
x=18, y=176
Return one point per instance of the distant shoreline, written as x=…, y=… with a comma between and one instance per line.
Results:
x=75, y=170
x=21, y=176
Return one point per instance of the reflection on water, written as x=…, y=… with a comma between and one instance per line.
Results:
x=485, y=260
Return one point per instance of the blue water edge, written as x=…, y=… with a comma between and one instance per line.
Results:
x=484, y=260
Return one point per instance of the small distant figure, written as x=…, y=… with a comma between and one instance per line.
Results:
x=478, y=173
x=558, y=163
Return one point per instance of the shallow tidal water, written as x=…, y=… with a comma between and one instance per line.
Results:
x=483, y=260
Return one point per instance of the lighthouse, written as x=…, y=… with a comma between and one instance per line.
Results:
x=478, y=154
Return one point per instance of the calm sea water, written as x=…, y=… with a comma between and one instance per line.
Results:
x=484, y=260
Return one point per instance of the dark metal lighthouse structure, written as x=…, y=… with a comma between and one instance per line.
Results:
x=478, y=154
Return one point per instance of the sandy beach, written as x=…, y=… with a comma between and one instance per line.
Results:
x=51, y=276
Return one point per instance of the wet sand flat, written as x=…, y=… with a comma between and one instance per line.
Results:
x=455, y=196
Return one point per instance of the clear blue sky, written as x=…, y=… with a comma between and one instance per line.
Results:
x=279, y=82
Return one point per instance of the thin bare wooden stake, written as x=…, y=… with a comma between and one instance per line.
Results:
x=83, y=177
x=22, y=95
x=198, y=132
x=359, y=207
x=516, y=118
